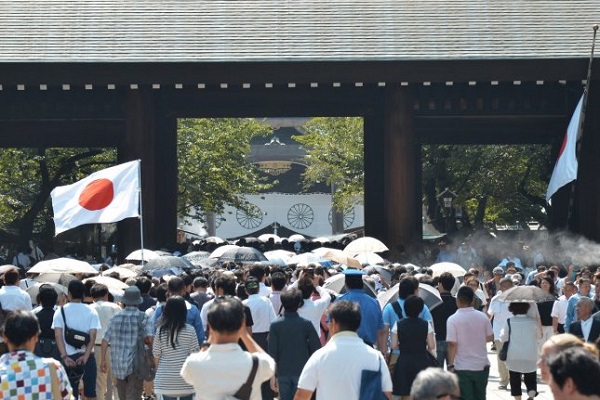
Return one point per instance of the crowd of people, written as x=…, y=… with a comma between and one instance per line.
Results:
x=260, y=331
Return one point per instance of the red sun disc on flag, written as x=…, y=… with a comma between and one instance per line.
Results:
x=97, y=195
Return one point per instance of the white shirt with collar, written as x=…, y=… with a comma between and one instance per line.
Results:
x=13, y=298
x=586, y=327
x=262, y=312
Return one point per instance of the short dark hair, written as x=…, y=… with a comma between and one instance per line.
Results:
x=161, y=292
x=76, y=289
x=47, y=296
x=251, y=285
x=346, y=314
x=12, y=276
x=87, y=287
x=226, y=314
x=278, y=280
x=578, y=364
x=20, y=326
x=306, y=287
x=144, y=284
x=354, y=281
x=413, y=305
x=99, y=290
x=227, y=283
x=291, y=299
x=176, y=285
x=257, y=271
x=200, y=282
x=518, y=308
x=465, y=295
x=407, y=286
x=447, y=281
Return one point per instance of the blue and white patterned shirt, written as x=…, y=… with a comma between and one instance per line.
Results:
x=122, y=335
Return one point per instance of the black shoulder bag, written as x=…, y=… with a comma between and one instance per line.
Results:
x=504, y=350
x=245, y=391
x=75, y=338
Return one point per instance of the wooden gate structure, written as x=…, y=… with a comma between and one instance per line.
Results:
x=108, y=73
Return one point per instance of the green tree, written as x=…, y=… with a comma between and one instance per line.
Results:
x=335, y=155
x=29, y=175
x=213, y=171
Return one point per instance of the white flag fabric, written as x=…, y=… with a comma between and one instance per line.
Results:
x=565, y=170
x=109, y=195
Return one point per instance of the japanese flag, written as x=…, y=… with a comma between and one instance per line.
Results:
x=109, y=195
x=565, y=170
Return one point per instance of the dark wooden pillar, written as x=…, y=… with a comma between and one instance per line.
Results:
x=587, y=205
x=375, y=224
x=151, y=138
x=402, y=204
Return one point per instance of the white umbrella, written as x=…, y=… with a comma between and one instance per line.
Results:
x=137, y=255
x=62, y=265
x=365, y=244
x=34, y=290
x=111, y=283
x=279, y=254
x=339, y=256
x=63, y=279
x=369, y=258
x=321, y=239
x=124, y=273
x=303, y=259
x=266, y=236
x=296, y=238
x=218, y=252
x=441, y=267
x=214, y=239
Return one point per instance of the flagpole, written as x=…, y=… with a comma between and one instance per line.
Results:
x=141, y=213
x=586, y=90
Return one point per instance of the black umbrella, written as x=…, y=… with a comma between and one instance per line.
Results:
x=167, y=262
x=243, y=255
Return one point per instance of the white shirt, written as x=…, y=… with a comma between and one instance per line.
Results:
x=275, y=298
x=335, y=369
x=263, y=289
x=204, y=314
x=499, y=310
x=80, y=317
x=13, y=298
x=522, y=350
x=262, y=312
x=559, y=309
x=105, y=310
x=222, y=369
x=313, y=310
x=586, y=327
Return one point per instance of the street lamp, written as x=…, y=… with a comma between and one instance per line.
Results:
x=447, y=197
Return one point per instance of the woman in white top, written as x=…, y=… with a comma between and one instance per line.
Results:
x=522, y=331
x=313, y=310
x=174, y=342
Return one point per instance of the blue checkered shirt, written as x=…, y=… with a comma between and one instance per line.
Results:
x=122, y=335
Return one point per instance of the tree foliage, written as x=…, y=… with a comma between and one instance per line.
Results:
x=213, y=171
x=502, y=184
x=28, y=175
x=335, y=155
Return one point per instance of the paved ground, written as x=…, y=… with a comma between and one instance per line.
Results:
x=494, y=393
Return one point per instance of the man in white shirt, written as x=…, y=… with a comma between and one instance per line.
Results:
x=468, y=331
x=335, y=370
x=258, y=271
x=559, y=308
x=106, y=310
x=12, y=297
x=263, y=314
x=499, y=311
x=222, y=368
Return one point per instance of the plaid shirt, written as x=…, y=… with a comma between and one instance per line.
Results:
x=122, y=335
x=24, y=375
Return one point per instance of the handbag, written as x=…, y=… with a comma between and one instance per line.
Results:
x=143, y=361
x=370, y=385
x=46, y=347
x=245, y=391
x=503, y=354
x=75, y=338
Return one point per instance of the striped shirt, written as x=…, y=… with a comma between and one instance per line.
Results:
x=168, y=381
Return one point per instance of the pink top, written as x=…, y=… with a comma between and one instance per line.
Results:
x=469, y=329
